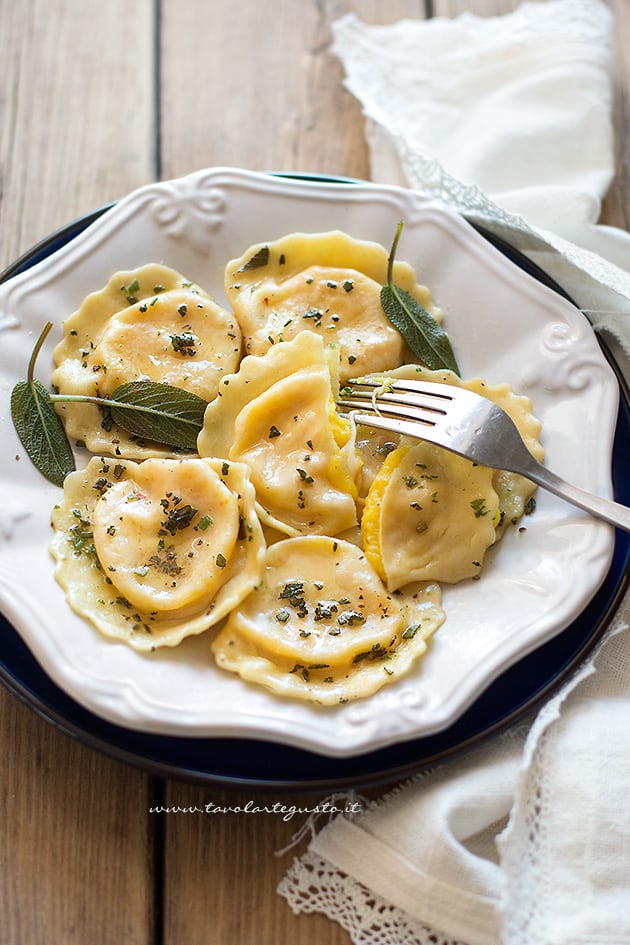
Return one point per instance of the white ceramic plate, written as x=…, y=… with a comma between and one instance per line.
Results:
x=504, y=326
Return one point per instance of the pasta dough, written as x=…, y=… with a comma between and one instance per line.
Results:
x=328, y=283
x=320, y=625
x=514, y=492
x=156, y=551
x=149, y=323
x=429, y=516
x=277, y=415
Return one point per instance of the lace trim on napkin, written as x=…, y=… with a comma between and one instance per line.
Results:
x=313, y=885
x=600, y=288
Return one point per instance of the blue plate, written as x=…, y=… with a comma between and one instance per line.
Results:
x=240, y=763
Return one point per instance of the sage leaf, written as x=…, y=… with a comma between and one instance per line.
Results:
x=159, y=412
x=423, y=334
x=259, y=259
x=41, y=431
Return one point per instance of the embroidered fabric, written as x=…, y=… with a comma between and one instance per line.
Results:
x=313, y=885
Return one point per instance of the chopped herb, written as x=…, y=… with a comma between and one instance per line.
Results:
x=324, y=610
x=530, y=506
x=259, y=259
x=349, y=618
x=184, y=344
x=273, y=432
x=293, y=592
x=221, y=561
x=204, y=522
x=178, y=518
x=378, y=652
x=167, y=562
x=479, y=507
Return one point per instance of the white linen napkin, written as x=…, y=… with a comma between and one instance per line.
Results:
x=525, y=840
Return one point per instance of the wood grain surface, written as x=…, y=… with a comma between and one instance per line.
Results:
x=97, y=99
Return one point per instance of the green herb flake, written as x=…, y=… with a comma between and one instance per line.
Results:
x=257, y=261
x=178, y=518
x=184, y=344
x=479, y=507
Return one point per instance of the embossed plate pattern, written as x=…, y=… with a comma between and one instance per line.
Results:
x=505, y=327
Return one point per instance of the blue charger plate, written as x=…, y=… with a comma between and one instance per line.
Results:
x=241, y=763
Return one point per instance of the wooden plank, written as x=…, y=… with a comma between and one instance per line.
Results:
x=222, y=870
x=76, y=854
x=616, y=208
x=76, y=118
x=76, y=112
x=272, y=98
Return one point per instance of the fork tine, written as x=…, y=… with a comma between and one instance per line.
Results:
x=430, y=402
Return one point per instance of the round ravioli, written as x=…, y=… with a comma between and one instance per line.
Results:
x=153, y=552
x=150, y=323
x=429, y=516
x=320, y=625
x=277, y=415
x=325, y=282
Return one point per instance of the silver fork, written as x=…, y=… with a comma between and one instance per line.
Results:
x=466, y=423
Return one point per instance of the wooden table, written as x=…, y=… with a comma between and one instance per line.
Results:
x=97, y=99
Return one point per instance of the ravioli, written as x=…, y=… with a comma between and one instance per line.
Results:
x=321, y=627
x=329, y=283
x=429, y=516
x=153, y=552
x=148, y=323
x=278, y=416
x=514, y=492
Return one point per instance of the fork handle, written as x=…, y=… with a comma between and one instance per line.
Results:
x=606, y=509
